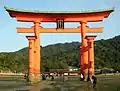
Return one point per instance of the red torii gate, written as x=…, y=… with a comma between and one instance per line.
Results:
x=37, y=17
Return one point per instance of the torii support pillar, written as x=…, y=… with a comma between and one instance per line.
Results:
x=91, y=54
x=81, y=61
x=32, y=75
x=84, y=50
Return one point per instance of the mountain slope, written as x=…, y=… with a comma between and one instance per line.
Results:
x=62, y=55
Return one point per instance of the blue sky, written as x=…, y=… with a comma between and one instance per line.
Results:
x=10, y=40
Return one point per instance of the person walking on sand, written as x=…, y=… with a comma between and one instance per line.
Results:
x=52, y=78
x=94, y=81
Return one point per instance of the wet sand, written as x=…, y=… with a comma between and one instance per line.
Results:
x=105, y=83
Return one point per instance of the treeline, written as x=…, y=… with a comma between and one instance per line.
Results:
x=63, y=55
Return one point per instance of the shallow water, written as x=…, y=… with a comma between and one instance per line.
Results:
x=105, y=83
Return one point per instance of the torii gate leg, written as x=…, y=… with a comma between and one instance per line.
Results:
x=81, y=61
x=37, y=51
x=91, y=55
x=31, y=76
x=84, y=50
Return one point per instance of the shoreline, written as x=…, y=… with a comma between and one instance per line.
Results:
x=11, y=74
x=22, y=74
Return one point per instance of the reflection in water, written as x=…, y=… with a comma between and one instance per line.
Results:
x=64, y=86
x=35, y=87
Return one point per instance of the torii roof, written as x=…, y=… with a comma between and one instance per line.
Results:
x=59, y=12
x=51, y=16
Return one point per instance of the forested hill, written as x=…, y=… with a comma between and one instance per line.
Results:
x=62, y=55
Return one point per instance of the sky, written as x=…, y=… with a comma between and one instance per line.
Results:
x=11, y=41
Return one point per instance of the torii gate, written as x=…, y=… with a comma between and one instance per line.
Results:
x=37, y=17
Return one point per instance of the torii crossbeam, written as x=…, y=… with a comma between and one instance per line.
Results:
x=54, y=30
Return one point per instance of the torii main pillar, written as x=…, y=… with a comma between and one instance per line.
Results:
x=37, y=50
x=84, y=50
x=91, y=55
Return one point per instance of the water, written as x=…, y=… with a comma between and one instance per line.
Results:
x=17, y=83
x=12, y=83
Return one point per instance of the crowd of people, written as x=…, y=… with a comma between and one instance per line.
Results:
x=44, y=77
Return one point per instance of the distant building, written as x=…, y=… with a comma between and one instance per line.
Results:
x=71, y=68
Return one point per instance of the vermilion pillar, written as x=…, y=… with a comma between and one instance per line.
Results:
x=31, y=58
x=81, y=61
x=84, y=50
x=37, y=50
x=91, y=54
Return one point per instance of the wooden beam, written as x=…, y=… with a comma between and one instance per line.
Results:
x=54, y=30
x=95, y=18
x=89, y=17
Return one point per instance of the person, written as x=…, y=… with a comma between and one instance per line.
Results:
x=81, y=77
x=94, y=81
x=52, y=77
x=25, y=75
x=49, y=75
x=44, y=77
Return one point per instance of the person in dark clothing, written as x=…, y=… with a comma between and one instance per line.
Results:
x=94, y=81
x=25, y=75
x=43, y=77
x=52, y=77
